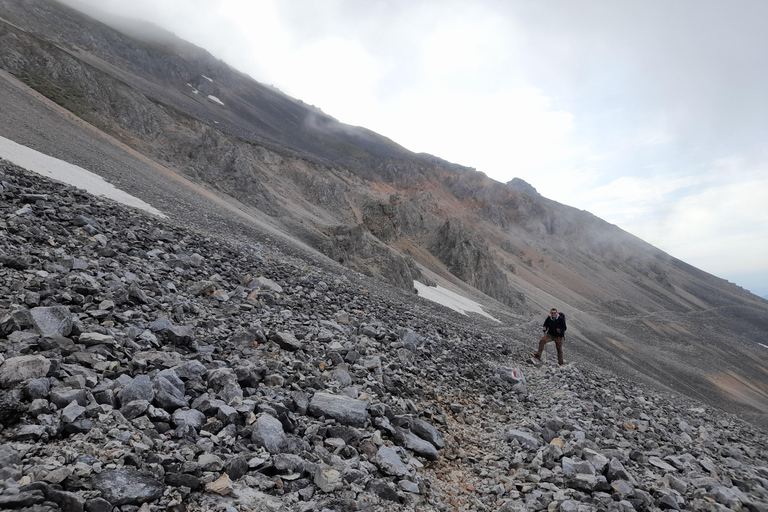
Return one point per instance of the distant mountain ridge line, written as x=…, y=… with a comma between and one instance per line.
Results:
x=382, y=210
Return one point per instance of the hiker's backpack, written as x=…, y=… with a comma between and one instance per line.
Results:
x=565, y=327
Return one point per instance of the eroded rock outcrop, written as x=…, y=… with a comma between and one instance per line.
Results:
x=469, y=259
x=358, y=249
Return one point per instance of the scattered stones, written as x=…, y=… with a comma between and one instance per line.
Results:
x=147, y=366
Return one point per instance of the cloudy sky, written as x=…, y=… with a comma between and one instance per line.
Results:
x=650, y=114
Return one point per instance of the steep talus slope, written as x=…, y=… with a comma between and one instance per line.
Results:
x=146, y=365
x=383, y=210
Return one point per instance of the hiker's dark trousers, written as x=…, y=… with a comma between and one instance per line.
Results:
x=558, y=344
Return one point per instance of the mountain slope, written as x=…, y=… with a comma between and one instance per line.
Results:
x=383, y=210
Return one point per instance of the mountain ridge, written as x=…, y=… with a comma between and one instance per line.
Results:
x=321, y=182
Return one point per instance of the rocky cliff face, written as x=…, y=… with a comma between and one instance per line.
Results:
x=469, y=259
x=358, y=249
x=385, y=211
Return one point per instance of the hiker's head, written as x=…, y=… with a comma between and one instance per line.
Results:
x=553, y=313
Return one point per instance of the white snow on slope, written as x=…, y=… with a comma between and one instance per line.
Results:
x=62, y=171
x=217, y=100
x=210, y=80
x=451, y=300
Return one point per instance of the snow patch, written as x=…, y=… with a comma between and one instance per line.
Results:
x=451, y=300
x=62, y=171
x=217, y=100
x=210, y=80
x=194, y=91
x=766, y=346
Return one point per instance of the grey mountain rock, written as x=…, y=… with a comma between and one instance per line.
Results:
x=52, y=321
x=524, y=438
x=140, y=388
x=412, y=442
x=346, y=410
x=21, y=368
x=268, y=432
x=388, y=459
x=127, y=487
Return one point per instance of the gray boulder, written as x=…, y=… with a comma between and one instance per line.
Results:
x=169, y=391
x=268, y=432
x=52, y=321
x=427, y=432
x=190, y=417
x=72, y=412
x=345, y=410
x=287, y=341
x=134, y=409
x=224, y=383
x=140, y=388
x=388, y=460
x=10, y=463
x=411, y=441
x=62, y=397
x=18, y=369
x=127, y=487
x=524, y=438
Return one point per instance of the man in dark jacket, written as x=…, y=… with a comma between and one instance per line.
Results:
x=554, y=327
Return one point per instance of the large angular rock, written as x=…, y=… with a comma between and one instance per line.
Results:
x=10, y=463
x=224, y=383
x=21, y=500
x=524, y=438
x=180, y=335
x=616, y=471
x=140, y=388
x=411, y=441
x=133, y=409
x=191, y=417
x=573, y=467
x=52, y=321
x=427, y=432
x=66, y=500
x=657, y=462
x=268, y=432
x=72, y=412
x=90, y=339
x=599, y=461
x=169, y=391
x=328, y=479
x=345, y=410
x=388, y=460
x=190, y=370
x=287, y=341
x=63, y=396
x=18, y=369
x=127, y=487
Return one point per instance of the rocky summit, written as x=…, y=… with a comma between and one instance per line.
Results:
x=147, y=367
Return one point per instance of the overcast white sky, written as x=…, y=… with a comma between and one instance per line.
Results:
x=650, y=114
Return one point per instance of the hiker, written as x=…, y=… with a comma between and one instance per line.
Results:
x=554, y=327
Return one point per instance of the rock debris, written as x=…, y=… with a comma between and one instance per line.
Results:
x=147, y=367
